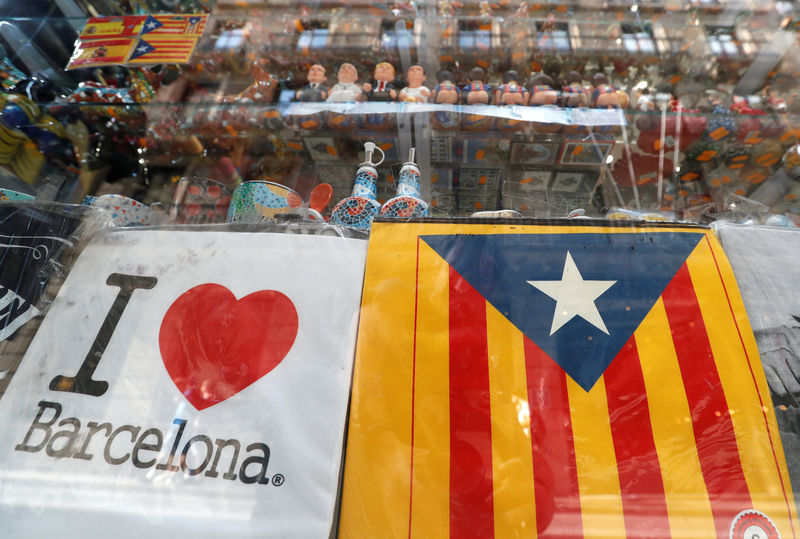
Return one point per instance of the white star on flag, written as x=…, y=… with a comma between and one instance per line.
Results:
x=151, y=25
x=574, y=296
x=142, y=49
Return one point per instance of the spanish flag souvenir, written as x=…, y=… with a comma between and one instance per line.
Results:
x=112, y=27
x=558, y=379
x=100, y=52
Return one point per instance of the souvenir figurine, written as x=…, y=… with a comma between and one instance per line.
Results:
x=358, y=210
x=541, y=90
x=415, y=92
x=384, y=89
x=446, y=93
x=314, y=91
x=604, y=96
x=446, y=90
x=542, y=93
x=407, y=203
x=477, y=92
x=347, y=89
x=573, y=94
x=260, y=91
x=511, y=92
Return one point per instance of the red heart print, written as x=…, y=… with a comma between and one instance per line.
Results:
x=214, y=346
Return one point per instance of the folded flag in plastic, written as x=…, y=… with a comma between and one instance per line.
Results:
x=565, y=379
x=138, y=39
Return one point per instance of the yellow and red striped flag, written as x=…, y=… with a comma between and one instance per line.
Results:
x=112, y=27
x=570, y=379
x=100, y=52
x=169, y=24
x=163, y=50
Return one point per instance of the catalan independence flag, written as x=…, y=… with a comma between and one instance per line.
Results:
x=174, y=24
x=166, y=49
x=566, y=379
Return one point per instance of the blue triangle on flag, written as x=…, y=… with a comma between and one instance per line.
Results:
x=640, y=265
x=142, y=48
x=150, y=24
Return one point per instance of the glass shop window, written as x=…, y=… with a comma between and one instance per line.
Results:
x=552, y=36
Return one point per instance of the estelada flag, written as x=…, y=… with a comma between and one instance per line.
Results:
x=163, y=49
x=170, y=24
x=569, y=379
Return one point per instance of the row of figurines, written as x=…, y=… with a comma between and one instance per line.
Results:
x=539, y=89
x=203, y=200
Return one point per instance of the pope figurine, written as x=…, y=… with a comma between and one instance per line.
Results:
x=347, y=89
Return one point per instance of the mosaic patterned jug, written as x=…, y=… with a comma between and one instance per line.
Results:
x=358, y=210
x=408, y=203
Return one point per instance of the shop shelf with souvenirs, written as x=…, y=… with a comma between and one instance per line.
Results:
x=664, y=110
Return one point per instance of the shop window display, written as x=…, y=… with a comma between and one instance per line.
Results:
x=309, y=127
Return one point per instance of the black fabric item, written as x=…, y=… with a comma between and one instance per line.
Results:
x=31, y=240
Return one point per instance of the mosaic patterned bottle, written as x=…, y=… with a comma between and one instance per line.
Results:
x=407, y=203
x=358, y=210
